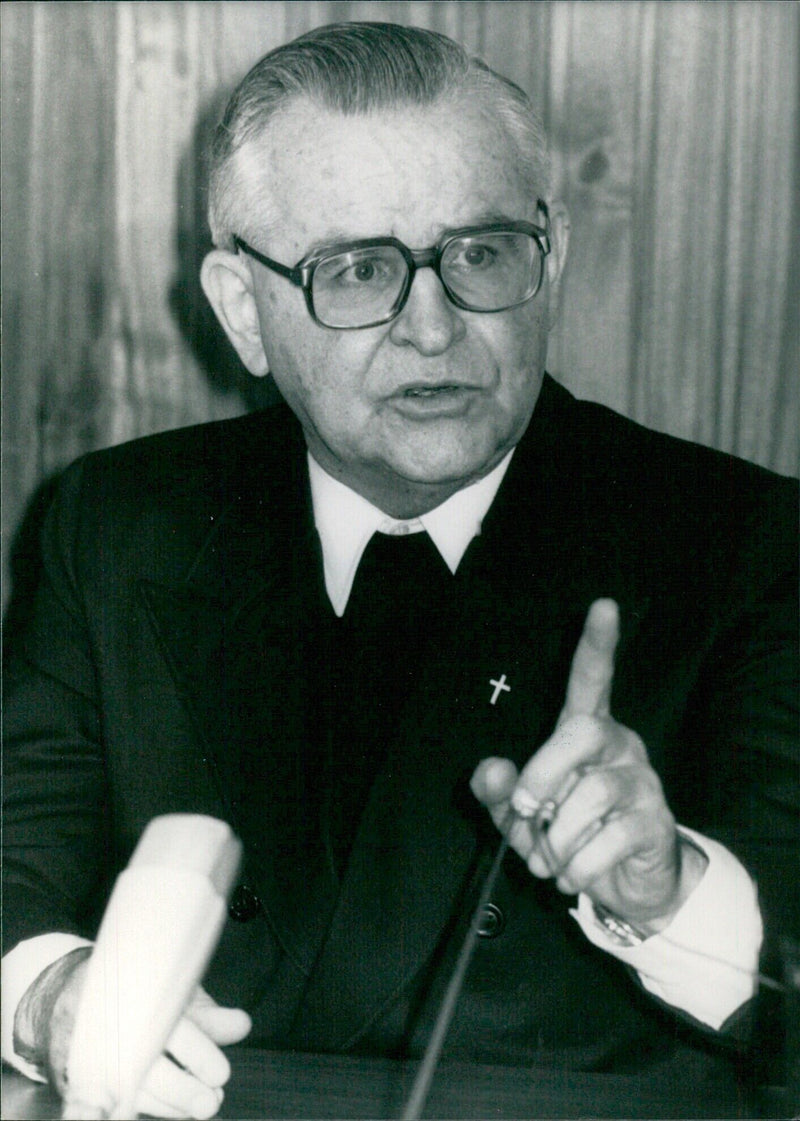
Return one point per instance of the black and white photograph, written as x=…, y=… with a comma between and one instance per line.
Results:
x=401, y=706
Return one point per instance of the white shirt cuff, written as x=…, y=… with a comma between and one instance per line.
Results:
x=706, y=961
x=20, y=968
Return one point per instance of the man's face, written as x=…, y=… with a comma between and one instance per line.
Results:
x=411, y=174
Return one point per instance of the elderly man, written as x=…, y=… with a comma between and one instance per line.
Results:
x=441, y=571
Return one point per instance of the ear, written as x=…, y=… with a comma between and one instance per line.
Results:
x=557, y=257
x=228, y=285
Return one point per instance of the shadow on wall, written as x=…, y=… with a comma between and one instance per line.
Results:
x=206, y=339
x=192, y=312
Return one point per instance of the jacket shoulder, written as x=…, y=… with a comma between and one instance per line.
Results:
x=654, y=467
x=150, y=505
x=664, y=506
x=230, y=452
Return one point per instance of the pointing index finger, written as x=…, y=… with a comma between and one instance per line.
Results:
x=592, y=671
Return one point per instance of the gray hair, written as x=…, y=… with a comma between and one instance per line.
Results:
x=357, y=68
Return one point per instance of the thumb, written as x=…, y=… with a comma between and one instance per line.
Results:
x=592, y=671
x=493, y=781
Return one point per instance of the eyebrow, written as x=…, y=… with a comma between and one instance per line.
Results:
x=337, y=236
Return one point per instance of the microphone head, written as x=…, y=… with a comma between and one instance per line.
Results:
x=193, y=842
x=159, y=930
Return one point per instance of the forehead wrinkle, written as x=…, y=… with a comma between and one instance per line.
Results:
x=272, y=163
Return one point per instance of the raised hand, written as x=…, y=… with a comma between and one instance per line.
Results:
x=590, y=810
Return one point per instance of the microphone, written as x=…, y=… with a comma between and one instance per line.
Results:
x=158, y=933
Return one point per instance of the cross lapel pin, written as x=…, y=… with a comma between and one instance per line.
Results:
x=499, y=687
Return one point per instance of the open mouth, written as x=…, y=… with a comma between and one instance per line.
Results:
x=426, y=402
x=430, y=391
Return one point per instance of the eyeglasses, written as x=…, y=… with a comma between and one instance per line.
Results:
x=365, y=283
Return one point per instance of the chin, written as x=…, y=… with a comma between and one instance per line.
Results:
x=445, y=471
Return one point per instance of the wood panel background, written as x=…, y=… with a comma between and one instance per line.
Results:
x=676, y=138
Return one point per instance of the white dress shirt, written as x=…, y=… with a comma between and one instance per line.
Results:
x=704, y=963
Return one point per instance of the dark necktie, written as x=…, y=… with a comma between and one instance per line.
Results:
x=399, y=581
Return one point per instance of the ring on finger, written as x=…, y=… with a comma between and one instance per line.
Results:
x=546, y=814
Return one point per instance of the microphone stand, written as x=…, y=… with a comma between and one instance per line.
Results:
x=427, y=1067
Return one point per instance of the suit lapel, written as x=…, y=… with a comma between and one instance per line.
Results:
x=412, y=852
x=236, y=640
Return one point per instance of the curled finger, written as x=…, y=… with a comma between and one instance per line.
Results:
x=548, y=777
x=614, y=842
x=222, y=1025
x=169, y=1091
x=192, y=1049
x=596, y=794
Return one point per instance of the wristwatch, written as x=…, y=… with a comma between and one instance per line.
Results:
x=622, y=932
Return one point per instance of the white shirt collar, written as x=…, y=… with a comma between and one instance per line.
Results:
x=346, y=521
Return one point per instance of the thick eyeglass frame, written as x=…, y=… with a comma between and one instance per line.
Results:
x=302, y=275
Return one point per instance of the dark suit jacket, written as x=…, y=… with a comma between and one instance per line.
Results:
x=165, y=670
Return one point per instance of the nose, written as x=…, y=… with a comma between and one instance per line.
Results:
x=428, y=322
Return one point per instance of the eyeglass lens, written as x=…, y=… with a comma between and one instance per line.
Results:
x=486, y=272
x=360, y=286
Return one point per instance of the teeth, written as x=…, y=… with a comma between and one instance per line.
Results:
x=429, y=392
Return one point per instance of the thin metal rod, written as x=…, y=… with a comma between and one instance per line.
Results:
x=427, y=1067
